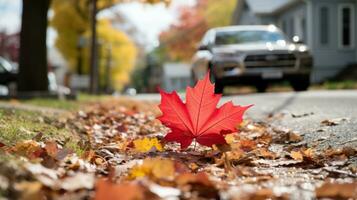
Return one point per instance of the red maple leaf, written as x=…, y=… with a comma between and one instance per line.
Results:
x=199, y=118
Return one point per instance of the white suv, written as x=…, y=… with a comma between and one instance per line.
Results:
x=254, y=55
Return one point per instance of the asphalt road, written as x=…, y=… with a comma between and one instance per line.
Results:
x=303, y=113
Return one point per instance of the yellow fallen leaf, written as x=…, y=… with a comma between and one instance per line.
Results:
x=147, y=144
x=296, y=155
x=229, y=138
x=193, y=166
x=154, y=168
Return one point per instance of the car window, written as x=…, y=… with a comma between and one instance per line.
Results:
x=207, y=38
x=242, y=37
x=5, y=65
x=2, y=69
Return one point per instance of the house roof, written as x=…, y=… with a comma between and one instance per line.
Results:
x=269, y=6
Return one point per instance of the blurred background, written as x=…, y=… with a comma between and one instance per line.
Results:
x=61, y=47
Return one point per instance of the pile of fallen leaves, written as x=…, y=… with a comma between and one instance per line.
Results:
x=125, y=156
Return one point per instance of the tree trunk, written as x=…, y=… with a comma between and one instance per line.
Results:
x=94, y=72
x=33, y=67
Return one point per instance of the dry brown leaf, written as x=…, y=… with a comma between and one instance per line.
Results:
x=106, y=190
x=222, y=147
x=26, y=148
x=265, y=153
x=200, y=183
x=265, y=139
x=235, y=155
x=328, y=122
x=2, y=145
x=293, y=137
x=88, y=155
x=309, y=153
x=337, y=190
x=51, y=148
x=247, y=145
x=30, y=190
x=199, y=178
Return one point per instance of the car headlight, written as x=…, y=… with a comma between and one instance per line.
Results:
x=302, y=49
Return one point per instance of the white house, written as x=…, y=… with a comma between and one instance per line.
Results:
x=328, y=27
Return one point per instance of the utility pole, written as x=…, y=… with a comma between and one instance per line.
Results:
x=80, y=45
x=93, y=51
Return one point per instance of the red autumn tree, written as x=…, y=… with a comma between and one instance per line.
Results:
x=182, y=38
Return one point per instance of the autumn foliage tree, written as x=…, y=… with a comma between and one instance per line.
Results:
x=182, y=39
x=33, y=53
x=72, y=22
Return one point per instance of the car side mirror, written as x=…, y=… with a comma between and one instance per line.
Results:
x=203, y=47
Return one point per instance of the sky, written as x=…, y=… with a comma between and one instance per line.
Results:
x=10, y=15
x=149, y=20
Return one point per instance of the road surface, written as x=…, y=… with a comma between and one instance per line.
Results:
x=303, y=113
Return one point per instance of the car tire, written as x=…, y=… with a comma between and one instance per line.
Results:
x=12, y=87
x=300, y=83
x=193, y=78
x=218, y=87
x=218, y=84
x=261, y=87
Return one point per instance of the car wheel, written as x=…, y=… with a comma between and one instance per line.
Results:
x=193, y=78
x=300, y=83
x=261, y=87
x=12, y=87
x=219, y=87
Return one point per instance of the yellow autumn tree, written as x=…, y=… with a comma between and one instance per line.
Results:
x=219, y=13
x=122, y=50
x=71, y=19
x=70, y=25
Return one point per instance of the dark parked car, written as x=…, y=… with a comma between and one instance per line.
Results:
x=253, y=55
x=8, y=73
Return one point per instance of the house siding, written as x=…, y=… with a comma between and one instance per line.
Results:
x=329, y=59
x=247, y=17
x=293, y=20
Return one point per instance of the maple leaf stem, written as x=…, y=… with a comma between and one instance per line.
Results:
x=194, y=146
